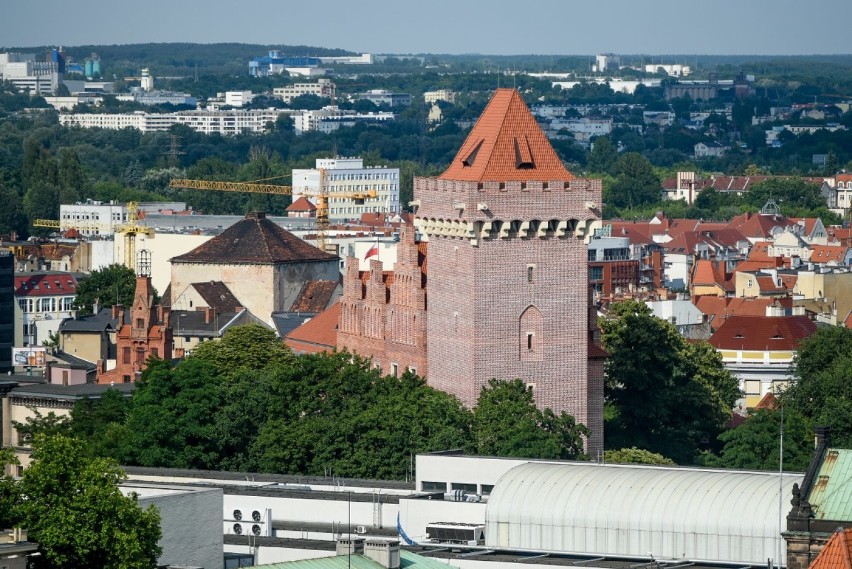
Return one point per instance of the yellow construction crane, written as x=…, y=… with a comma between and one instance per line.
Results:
x=65, y=225
x=322, y=197
x=130, y=230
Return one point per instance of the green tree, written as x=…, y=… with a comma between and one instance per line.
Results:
x=663, y=394
x=252, y=347
x=171, y=419
x=755, y=444
x=822, y=391
x=75, y=511
x=10, y=493
x=115, y=284
x=72, y=181
x=635, y=455
x=603, y=156
x=12, y=216
x=49, y=425
x=636, y=183
x=506, y=422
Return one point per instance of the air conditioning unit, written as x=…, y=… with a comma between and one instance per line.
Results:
x=238, y=529
x=238, y=515
x=361, y=529
x=256, y=516
x=256, y=530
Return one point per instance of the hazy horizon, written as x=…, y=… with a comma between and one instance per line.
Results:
x=500, y=27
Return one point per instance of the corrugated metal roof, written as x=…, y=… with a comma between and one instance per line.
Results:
x=671, y=513
x=831, y=495
x=408, y=560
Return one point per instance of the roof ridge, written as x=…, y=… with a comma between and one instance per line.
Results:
x=264, y=236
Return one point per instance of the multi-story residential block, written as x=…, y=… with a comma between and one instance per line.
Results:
x=226, y=123
x=329, y=119
x=759, y=350
x=612, y=269
x=45, y=299
x=144, y=97
x=583, y=129
x=322, y=88
x=386, y=98
x=440, y=95
x=350, y=175
x=710, y=149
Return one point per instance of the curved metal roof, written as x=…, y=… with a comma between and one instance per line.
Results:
x=669, y=513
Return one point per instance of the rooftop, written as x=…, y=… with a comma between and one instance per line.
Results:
x=506, y=144
x=254, y=240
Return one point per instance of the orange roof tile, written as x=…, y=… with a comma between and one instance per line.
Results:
x=828, y=253
x=319, y=334
x=301, y=204
x=506, y=144
x=837, y=553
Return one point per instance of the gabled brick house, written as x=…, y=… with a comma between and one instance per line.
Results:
x=142, y=333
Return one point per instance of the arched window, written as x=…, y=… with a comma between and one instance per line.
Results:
x=531, y=335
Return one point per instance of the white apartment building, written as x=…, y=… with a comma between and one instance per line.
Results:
x=322, y=88
x=329, y=119
x=45, y=299
x=226, y=123
x=238, y=98
x=439, y=95
x=93, y=217
x=583, y=129
x=350, y=175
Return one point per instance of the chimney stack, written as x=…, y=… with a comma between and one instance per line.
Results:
x=208, y=314
x=385, y=552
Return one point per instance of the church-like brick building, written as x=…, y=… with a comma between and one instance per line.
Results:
x=506, y=227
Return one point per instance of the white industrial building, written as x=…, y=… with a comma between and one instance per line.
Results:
x=350, y=175
x=26, y=74
x=226, y=123
x=598, y=514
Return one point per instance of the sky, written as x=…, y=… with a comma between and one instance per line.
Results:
x=498, y=27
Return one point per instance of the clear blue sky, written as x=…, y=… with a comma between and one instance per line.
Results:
x=445, y=26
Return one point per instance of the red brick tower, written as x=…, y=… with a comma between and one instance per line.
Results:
x=507, y=227
x=144, y=332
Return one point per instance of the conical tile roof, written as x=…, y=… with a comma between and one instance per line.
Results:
x=506, y=144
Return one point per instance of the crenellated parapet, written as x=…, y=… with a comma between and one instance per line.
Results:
x=505, y=210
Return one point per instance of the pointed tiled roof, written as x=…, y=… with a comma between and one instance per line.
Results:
x=301, y=204
x=837, y=553
x=254, y=240
x=506, y=144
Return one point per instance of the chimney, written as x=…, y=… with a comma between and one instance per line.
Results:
x=208, y=314
x=385, y=552
x=96, y=306
x=822, y=438
x=350, y=545
x=116, y=310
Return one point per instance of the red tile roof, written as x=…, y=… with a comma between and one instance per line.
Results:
x=707, y=272
x=828, y=254
x=760, y=252
x=506, y=144
x=319, y=334
x=837, y=553
x=50, y=284
x=719, y=309
x=302, y=204
x=254, y=240
x=768, y=401
x=759, y=333
x=757, y=226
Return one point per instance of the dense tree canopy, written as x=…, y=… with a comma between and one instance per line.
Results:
x=74, y=510
x=506, y=422
x=115, y=284
x=822, y=392
x=663, y=394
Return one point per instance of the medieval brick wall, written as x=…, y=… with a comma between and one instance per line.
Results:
x=495, y=251
x=383, y=316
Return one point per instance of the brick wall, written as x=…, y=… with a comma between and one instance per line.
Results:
x=483, y=241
